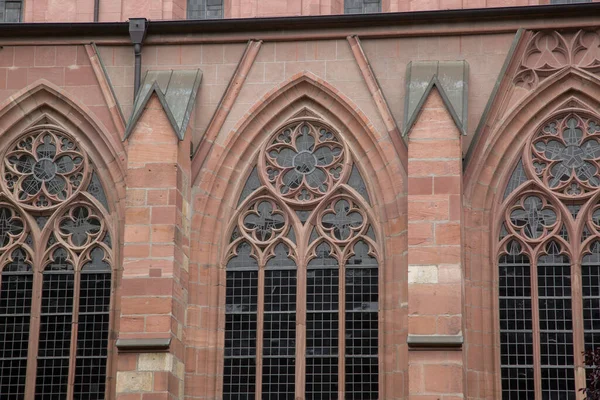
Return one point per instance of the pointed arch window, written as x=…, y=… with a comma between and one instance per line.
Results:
x=549, y=247
x=56, y=270
x=302, y=274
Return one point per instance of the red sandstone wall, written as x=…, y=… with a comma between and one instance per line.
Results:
x=121, y=10
x=180, y=212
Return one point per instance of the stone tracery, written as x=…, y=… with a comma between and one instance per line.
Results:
x=44, y=168
x=566, y=155
x=548, y=235
x=299, y=221
x=548, y=52
x=48, y=179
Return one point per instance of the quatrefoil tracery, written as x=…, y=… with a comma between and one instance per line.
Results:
x=80, y=226
x=263, y=221
x=532, y=217
x=342, y=220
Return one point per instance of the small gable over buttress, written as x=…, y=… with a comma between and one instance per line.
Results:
x=176, y=90
x=451, y=80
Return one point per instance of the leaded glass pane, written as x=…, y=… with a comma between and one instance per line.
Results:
x=11, y=10
x=516, y=324
x=590, y=276
x=279, y=376
x=517, y=178
x=55, y=330
x=362, y=6
x=92, y=333
x=357, y=183
x=239, y=379
x=362, y=378
x=204, y=9
x=321, y=378
x=252, y=183
x=15, y=313
x=556, y=327
x=279, y=333
x=95, y=189
x=240, y=324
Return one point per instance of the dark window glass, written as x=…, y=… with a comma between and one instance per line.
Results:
x=92, y=335
x=239, y=380
x=569, y=1
x=204, y=9
x=590, y=277
x=362, y=6
x=556, y=327
x=55, y=329
x=357, y=183
x=279, y=332
x=11, y=10
x=240, y=325
x=15, y=314
x=517, y=178
x=252, y=183
x=516, y=334
x=362, y=303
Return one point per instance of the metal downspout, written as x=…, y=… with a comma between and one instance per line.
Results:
x=137, y=32
x=96, y=10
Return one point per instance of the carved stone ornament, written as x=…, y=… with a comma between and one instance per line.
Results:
x=303, y=161
x=44, y=168
x=547, y=52
x=565, y=155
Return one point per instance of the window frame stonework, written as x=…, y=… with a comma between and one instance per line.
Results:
x=67, y=233
x=263, y=183
x=564, y=217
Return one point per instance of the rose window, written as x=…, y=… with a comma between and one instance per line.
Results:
x=566, y=154
x=304, y=161
x=44, y=168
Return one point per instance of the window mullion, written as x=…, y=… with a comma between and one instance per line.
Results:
x=301, y=299
x=260, y=321
x=535, y=314
x=34, y=333
x=74, y=334
x=342, y=333
x=577, y=315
